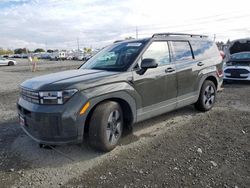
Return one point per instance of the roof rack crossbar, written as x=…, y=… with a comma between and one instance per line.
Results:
x=178, y=34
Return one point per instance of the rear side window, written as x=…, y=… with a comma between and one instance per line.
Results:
x=203, y=49
x=159, y=51
x=181, y=50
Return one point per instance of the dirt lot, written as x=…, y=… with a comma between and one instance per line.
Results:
x=184, y=148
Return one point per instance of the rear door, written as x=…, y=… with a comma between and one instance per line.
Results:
x=187, y=70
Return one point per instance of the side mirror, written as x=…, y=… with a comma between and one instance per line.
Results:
x=148, y=63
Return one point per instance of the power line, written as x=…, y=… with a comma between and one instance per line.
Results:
x=146, y=30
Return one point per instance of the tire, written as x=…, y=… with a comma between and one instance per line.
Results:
x=11, y=63
x=207, y=96
x=106, y=125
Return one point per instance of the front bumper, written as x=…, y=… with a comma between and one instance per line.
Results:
x=237, y=73
x=53, y=124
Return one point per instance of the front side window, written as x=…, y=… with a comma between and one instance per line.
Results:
x=159, y=51
x=182, y=50
x=117, y=57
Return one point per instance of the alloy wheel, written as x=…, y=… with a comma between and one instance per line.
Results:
x=114, y=127
x=209, y=96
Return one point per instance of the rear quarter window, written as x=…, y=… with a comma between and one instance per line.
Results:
x=204, y=49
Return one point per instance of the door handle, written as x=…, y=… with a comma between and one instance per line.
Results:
x=169, y=70
x=200, y=64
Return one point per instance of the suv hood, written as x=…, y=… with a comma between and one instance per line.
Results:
x=62, y=80
x=241, y=45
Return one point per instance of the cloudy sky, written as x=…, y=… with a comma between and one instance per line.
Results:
x=95, y=23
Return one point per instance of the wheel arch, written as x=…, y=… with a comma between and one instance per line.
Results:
x=213, y=79
x=126, y=103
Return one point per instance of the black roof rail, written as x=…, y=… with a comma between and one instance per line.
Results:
x=178, y=34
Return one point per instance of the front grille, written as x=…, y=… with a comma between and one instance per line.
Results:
x=237, y=71
x=29, y=95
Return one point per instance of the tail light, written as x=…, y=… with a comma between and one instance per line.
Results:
x=219, y=73
x=222, y=54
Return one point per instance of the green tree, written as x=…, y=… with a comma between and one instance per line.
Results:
x=38, y=50
x=5, y=52
x=2, y=51
x=87, y=50
x=50, y=51
x=9, y=51
x=21, y=51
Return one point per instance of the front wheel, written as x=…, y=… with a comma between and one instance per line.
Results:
x=207, y=96
x=106, y=125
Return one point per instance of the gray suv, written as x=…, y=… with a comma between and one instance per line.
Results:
x=126, y=82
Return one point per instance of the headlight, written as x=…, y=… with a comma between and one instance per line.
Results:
x=56, y=97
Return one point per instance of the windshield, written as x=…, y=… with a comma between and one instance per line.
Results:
x=241, y=56
x=117, y=57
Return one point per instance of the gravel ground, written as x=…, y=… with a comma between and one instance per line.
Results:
x=184, y=148
x=211, y=150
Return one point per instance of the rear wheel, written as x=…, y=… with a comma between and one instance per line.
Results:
x=11, y=63
x=207, y=96
x=106, y=125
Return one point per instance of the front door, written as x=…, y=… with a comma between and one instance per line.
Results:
x=157, y=87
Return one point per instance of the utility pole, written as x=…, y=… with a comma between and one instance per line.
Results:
x=214, y=37
x=46, y=46
x=78, y=47
x=136, y=32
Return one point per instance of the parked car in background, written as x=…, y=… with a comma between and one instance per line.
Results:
x=237, y=61
x=70, y=57
x=238, y=67
x=86, y=57
x=45, y=55
x=60, y=55
x=5, y=61
x=17, y=56
x=24, y=56
x=126, y=82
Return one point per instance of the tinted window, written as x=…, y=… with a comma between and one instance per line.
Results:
x=159, y=51
x=182, y=50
